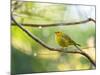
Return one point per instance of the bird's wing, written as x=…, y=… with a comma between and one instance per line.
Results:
x=68, y=39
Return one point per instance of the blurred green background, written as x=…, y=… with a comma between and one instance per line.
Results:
x=28, y=56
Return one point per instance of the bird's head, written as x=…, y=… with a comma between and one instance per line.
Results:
x=58, y=33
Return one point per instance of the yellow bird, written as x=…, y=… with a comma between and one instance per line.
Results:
x=64, y=40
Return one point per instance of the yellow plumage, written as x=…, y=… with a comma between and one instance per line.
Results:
x=64, y=40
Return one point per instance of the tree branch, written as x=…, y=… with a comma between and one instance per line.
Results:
x=57, y=24
x=48, y=47
x=92, y=20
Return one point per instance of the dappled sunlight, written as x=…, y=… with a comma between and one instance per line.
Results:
x=77, y=62
x=22, y=46
x=82, y=66
x=47, y=54
x=91, y=52
x=75, y=59
x=90, y=42
x=63, y=66
x=81, y=62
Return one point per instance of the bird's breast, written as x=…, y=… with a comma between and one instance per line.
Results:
x=61, y=41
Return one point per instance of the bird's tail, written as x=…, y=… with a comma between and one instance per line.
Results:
x=78, y=44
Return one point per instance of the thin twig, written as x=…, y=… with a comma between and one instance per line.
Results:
x=57, y=24
x=48, y=47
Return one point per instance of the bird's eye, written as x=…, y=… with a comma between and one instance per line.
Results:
x=57, y=32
